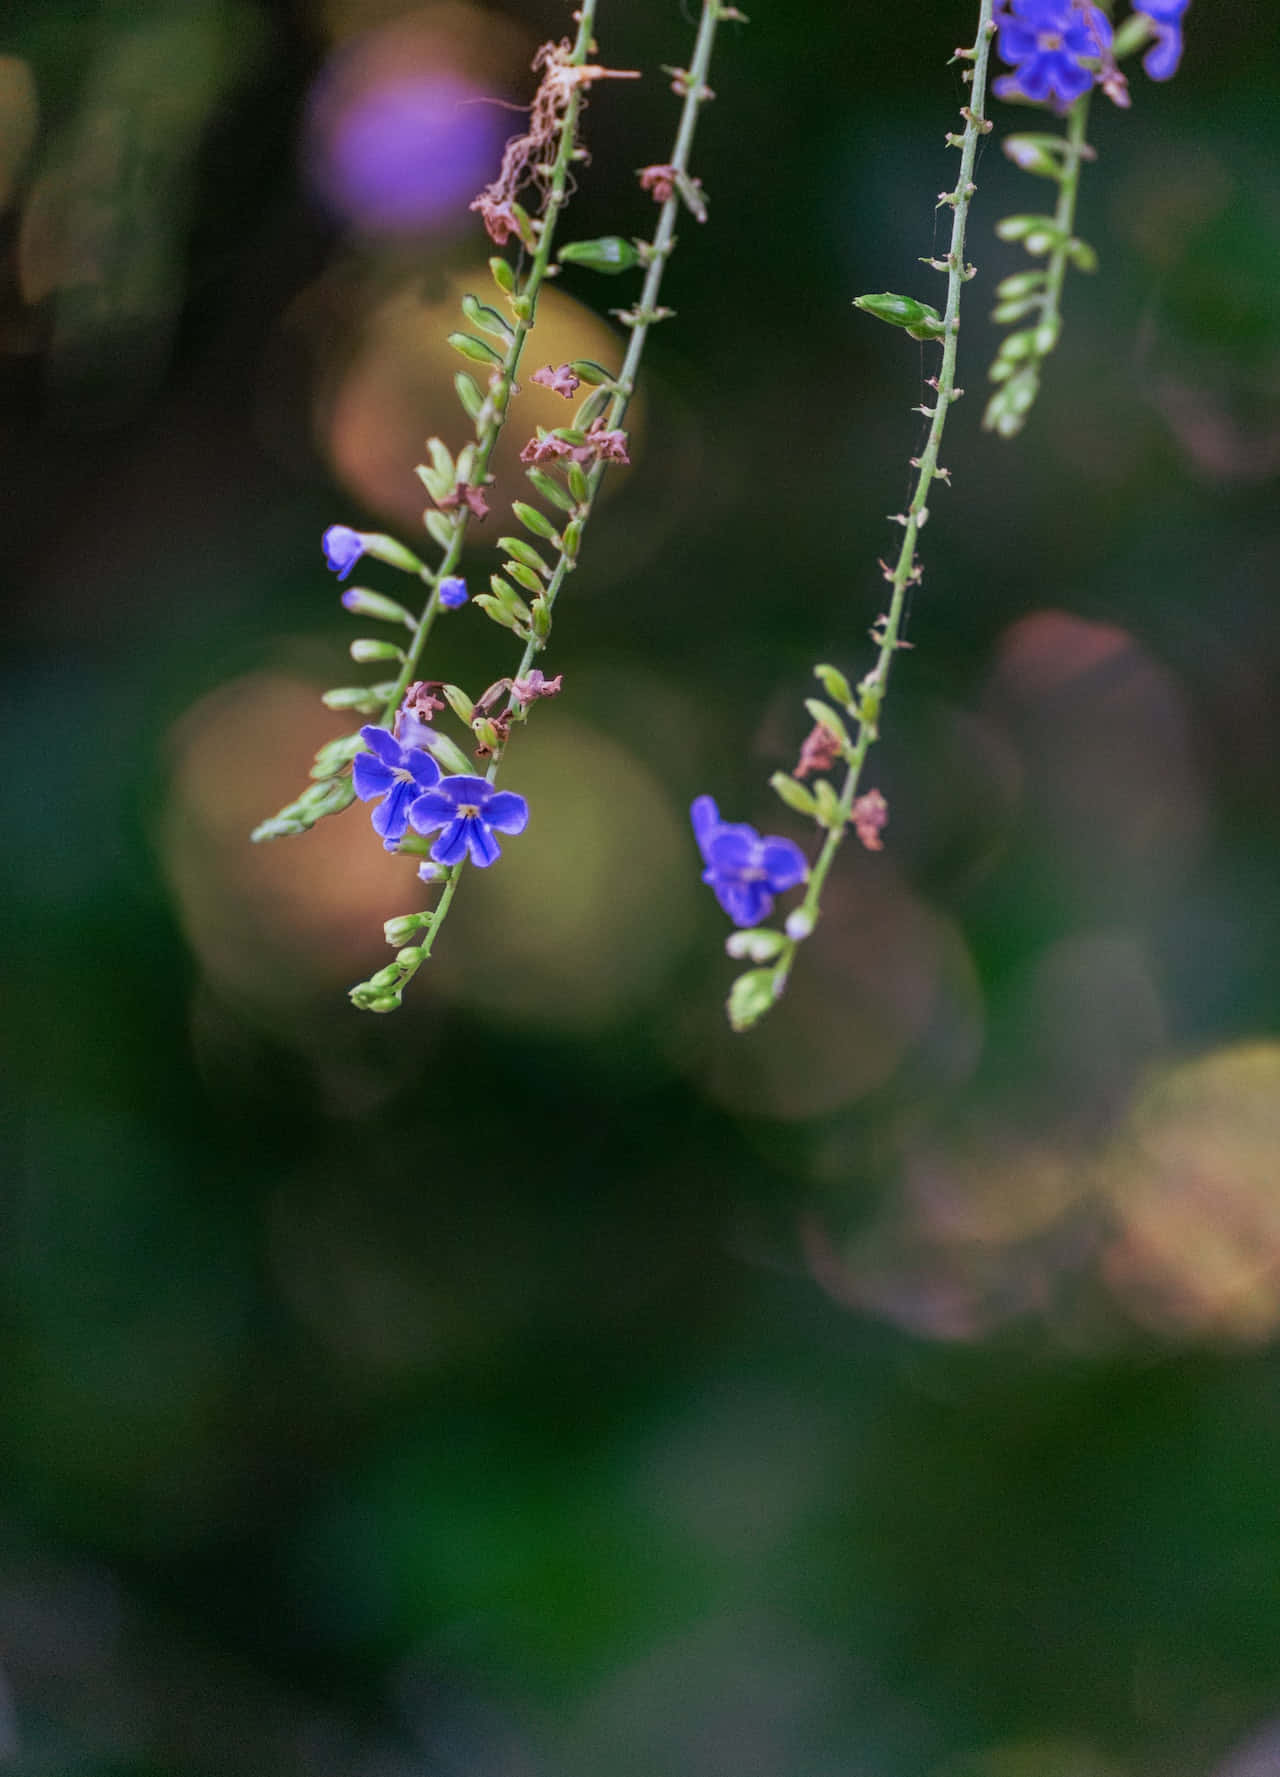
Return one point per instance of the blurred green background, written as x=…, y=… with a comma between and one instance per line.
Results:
x=540, y=1382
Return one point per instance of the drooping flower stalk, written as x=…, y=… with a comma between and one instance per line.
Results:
x=754, y=993
x=582, y=452
x=457, y=486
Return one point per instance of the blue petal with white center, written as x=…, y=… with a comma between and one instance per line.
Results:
x=470, y=811
x=395, y=774
x=745, y=870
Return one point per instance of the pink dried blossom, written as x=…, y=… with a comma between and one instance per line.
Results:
x=869, y=815
x=659, y=181
x=561, y=380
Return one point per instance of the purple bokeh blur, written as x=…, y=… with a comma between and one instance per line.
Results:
x=399, y=154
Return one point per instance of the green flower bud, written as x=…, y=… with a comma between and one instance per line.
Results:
x=535, y=521
x=475, y=349
x=826, y=717
x=571, y=541
x=502, y=274
x=523, y=576
x=469, y=395
x=353, y=697
x=610, y=254
x=920, y=321
x=834, y=683
x=462, y=706
x=1041, y=155
x=399, y=930
x=750, y=998
x=335, y=754
x=411, y=957
x=387, y=549
x=361, y=602
x=369, y=649
x=487, y=319
x=524, y=552
x=578, y=483
x=509, y=598
x=588, y=371
x=494, y=608
x=445, y=753
x=793, y=794
x=551, y=490
x=757, y=946
x=828, y=804
x=541, y=619
x=441, y=527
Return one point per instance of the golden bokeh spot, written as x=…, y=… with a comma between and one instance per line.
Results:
x=1193, y=1179
x=397, y=390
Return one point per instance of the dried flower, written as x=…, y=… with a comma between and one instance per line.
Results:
x=820, y=751
x=536, y=684
x=561, y=380
x=869, y=815
x=659, y=181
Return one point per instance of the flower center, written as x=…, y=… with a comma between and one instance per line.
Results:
x=1049, y=40
x=468, y=810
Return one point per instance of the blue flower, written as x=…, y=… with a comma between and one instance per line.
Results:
x=1045, y=40
x=1161, y=60
x=745, y=870
x=343, y=548
x=453, y=592
x=469, y=809
x=397, y=774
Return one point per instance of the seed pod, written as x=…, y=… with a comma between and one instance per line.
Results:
x=523, y=576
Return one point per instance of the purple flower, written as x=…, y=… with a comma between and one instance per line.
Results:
x=469, y=809
x=453, y=592
x=1045, y=40
x=745, y=870
x=1161, y=60
x=343, y=548
x=397, y=774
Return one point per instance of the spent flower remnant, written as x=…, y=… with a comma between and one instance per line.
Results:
x=1049, y=43
x=745, y=870
x=470, y=810
x=396, y=774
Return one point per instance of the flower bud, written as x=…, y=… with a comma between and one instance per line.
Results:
x=410, y=957
x=525, y=553
x=759, y=945
x=502, y=274
x=609, y=254
x=369, y=649
x=523, y=576
x=826, y=717
x=533, y=520
x=468, y=394
x=399, y=930
x=551, y=490
x=487, y=319
x=799, y=924
x=920, y=320
x=363, y=603
x=462, y=706
x=386, y=549
x=750, y=998
x=834, y=683
x=793, y=794
x=474, y=349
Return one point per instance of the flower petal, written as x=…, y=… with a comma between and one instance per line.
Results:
x=382, y=744
x=370, y=776
x=507, y=812
x=783, y=863
x=706, y=818
x=733, y=850
x=1161, y=60
x=746, y=903
x=465, y=789
x=391, y=816
x=451, y=847
x=425, y=771
x=483, y=846
x=432, y=810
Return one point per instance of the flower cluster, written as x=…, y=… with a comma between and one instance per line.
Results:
x=411, y=792
x=745, y=870
x=1061, y=48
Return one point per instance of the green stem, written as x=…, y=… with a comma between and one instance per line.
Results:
x=645, y=312
x=1064, y=218
x=499, y=399
x=875, y=687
